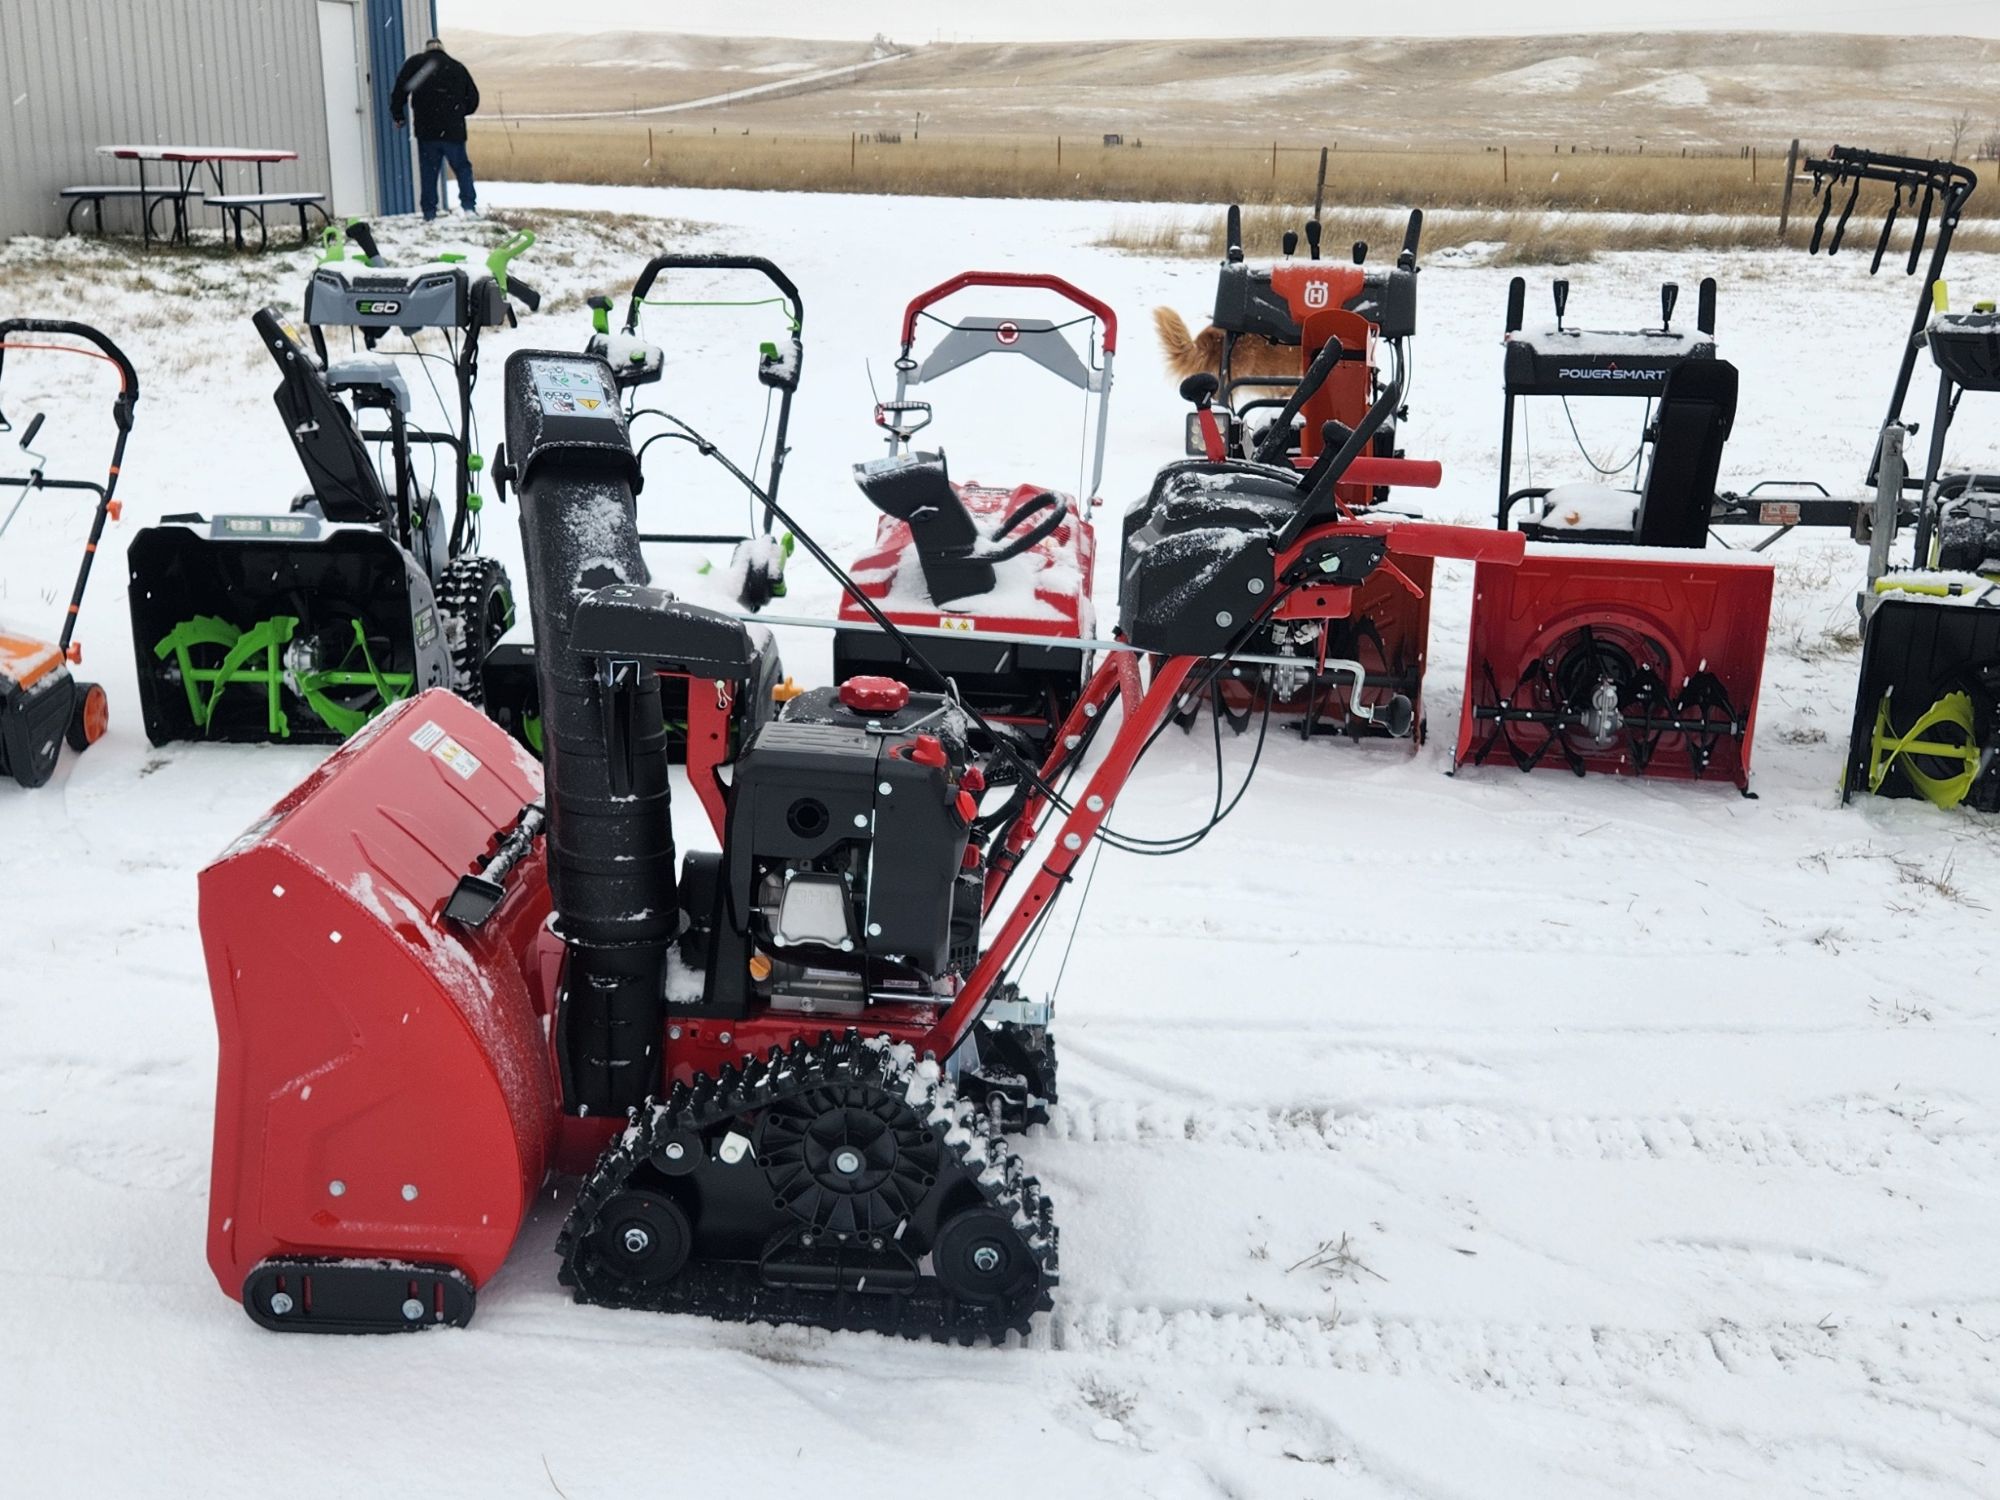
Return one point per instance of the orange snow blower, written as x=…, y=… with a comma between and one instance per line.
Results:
x=42, y=703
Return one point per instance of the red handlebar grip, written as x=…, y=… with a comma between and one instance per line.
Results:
x=1406, y=473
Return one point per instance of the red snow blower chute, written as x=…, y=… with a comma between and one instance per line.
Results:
x=784, y=1069
x=963, y=563
x=1636, y=653
x=43, y=705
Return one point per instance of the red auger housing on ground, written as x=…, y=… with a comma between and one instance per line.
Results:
x=784, y=1069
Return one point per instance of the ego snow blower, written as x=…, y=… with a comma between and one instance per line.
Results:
x=783, y=1069
x=42, y=703
x=302, y=625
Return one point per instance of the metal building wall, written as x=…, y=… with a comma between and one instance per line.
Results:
x=76, y=74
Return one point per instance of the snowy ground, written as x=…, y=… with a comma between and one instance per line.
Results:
x=1660, y=1126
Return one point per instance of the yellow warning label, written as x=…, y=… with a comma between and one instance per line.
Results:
x=586, y=403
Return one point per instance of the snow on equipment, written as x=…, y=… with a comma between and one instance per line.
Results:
x=757, y=560
x=42, y=703
x=784, y=1068
x=1638, y=655
x=981, y=560
x=302, y=625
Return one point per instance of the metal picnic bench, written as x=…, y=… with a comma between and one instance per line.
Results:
x=187, y=162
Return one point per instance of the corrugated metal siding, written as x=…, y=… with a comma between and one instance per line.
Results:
x=76, y=74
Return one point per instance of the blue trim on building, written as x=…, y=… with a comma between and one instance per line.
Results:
x=387, y=47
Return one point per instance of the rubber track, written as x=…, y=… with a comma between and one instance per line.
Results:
x=734, y=1291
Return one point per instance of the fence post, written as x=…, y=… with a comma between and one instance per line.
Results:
x=1503, y=163
x=1319, y=189
x=1274, y=163
x=1753, y=164
x=1785, y=201
x=853, y=145
x=649, y=145
x=1058, y=153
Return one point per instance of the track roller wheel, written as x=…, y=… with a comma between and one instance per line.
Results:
x=978, y=1258
x=642, y=1239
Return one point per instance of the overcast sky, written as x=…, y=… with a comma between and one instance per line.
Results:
x=1053, y=20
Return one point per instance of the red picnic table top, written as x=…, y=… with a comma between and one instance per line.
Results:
x=197, y=153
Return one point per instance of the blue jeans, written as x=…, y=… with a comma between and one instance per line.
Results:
x=432, y=158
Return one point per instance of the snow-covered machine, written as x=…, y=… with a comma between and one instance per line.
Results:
x=43, y=704
x=305, y=623
x=784, y=1068
x=999, y=575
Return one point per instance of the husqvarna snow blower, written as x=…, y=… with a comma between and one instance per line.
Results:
x=774, y=1064
x=966, y=563
x=303, y=624
x=1351, y=325
x=43, y=704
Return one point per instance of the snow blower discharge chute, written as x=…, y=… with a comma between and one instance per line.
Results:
x=43, y=704
x=784, y=1069
x=304, y=624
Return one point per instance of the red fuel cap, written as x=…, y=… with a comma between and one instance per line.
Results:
x=874, y=695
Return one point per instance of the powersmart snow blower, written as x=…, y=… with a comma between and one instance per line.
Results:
x=305, y=624
x=756, y=568
x=42, y=703
x=1638, y=655
x=784, y=1069
x=965, y=564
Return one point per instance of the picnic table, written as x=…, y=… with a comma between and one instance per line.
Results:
x=186, y=163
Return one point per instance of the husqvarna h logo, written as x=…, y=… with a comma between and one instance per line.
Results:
x=1317, y=294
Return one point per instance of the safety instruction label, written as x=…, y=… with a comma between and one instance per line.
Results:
x=564, y=389
x=461, y=760
x=429, y=735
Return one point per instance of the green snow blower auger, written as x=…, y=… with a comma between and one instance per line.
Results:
x=303, y=625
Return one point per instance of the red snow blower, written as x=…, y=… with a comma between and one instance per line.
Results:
x=42, y=703
x=1351, y=325
x=1639, y=655
x=970, y=563
x=784, y=1069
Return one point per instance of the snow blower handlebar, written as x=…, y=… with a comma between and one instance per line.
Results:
x=123, y=406
x=1038, y=280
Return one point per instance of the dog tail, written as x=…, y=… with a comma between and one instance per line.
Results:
x=1183, y=353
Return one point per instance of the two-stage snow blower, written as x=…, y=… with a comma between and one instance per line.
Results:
x=773, y=1064
x=302, y=625
x=43, y=704
x=1927, y=708
x=756, y=570
x=1635, y=653
x=996, y=578
x=1351, y=326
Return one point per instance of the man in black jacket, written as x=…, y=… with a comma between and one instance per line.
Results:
x=443, y=92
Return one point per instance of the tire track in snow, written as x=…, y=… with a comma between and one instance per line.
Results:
x=1846, y=1148
x=1906, y=1350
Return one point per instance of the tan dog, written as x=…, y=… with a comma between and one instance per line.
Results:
x=1191, y=353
